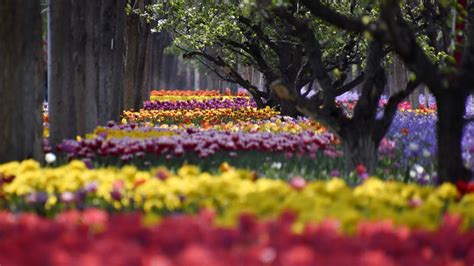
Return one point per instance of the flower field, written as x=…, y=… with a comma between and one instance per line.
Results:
x=203, y=178
x=136, y=239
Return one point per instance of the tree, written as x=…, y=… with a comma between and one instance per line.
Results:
x=361, y=132
x=223, y=35
x=87, y=60
x=138, y=36
x=158, y=44
x=21, y=80
x=450, y=81
x=304, y=60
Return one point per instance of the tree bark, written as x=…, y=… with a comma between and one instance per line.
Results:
x=189, y=77
x=138, y=32
x=21, y=80
x=197, y=79
x=111, y=59
x=86, y=62
x=359, y=147
x=162, y=40
x=450, y=128
x=288, y=109
x=148, y=71
x=169, y=74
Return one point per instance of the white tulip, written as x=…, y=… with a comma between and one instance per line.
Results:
x=419, y=169
x=413, y=146
x=426, y=153
x=276, y=165
x=50, y=157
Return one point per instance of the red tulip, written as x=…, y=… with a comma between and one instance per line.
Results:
x=361, y=169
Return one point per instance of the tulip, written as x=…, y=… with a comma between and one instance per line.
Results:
x=50, y=158
x=297, y=182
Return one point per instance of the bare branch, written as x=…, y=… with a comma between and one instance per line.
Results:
x=231, y=74
x=352, y=84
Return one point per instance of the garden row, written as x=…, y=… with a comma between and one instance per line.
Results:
x=202, y=177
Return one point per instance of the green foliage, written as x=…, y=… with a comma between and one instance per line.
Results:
x=196, y=26
x=216, y=28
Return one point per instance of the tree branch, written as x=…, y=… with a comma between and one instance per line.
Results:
x=374, y=83
x=333, y=17
x=231, y=74
x=313, y=50
x=301, y=76
x=394, y=31
x=352, y=84
x=405, y=44
x=340, y=81
x=259, y=32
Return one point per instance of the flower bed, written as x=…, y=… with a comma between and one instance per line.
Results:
x=277, y=124
x=195, y=93
x=201, y=143
x=199, y=116
x=27, y=186
x=215, y=103
x=136, y=198
x=95, y=237
x=199, y=95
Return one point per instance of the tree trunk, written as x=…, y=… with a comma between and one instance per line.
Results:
x=197, y=79
x=414, y=99
x=156, y=59
x=203, y=81
x=288, y=109
x=138, y=32
x=111, y=60
x=147, y=79
x=233, y=88
x=258, y=100
x=261, y=83
x=209, y=81
x=61, y=104
x=162, y=41
x=172, y=78
x=451, y=109
x=189, y=77
x=21, y=80
x=359, y=147
x=86, y=61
